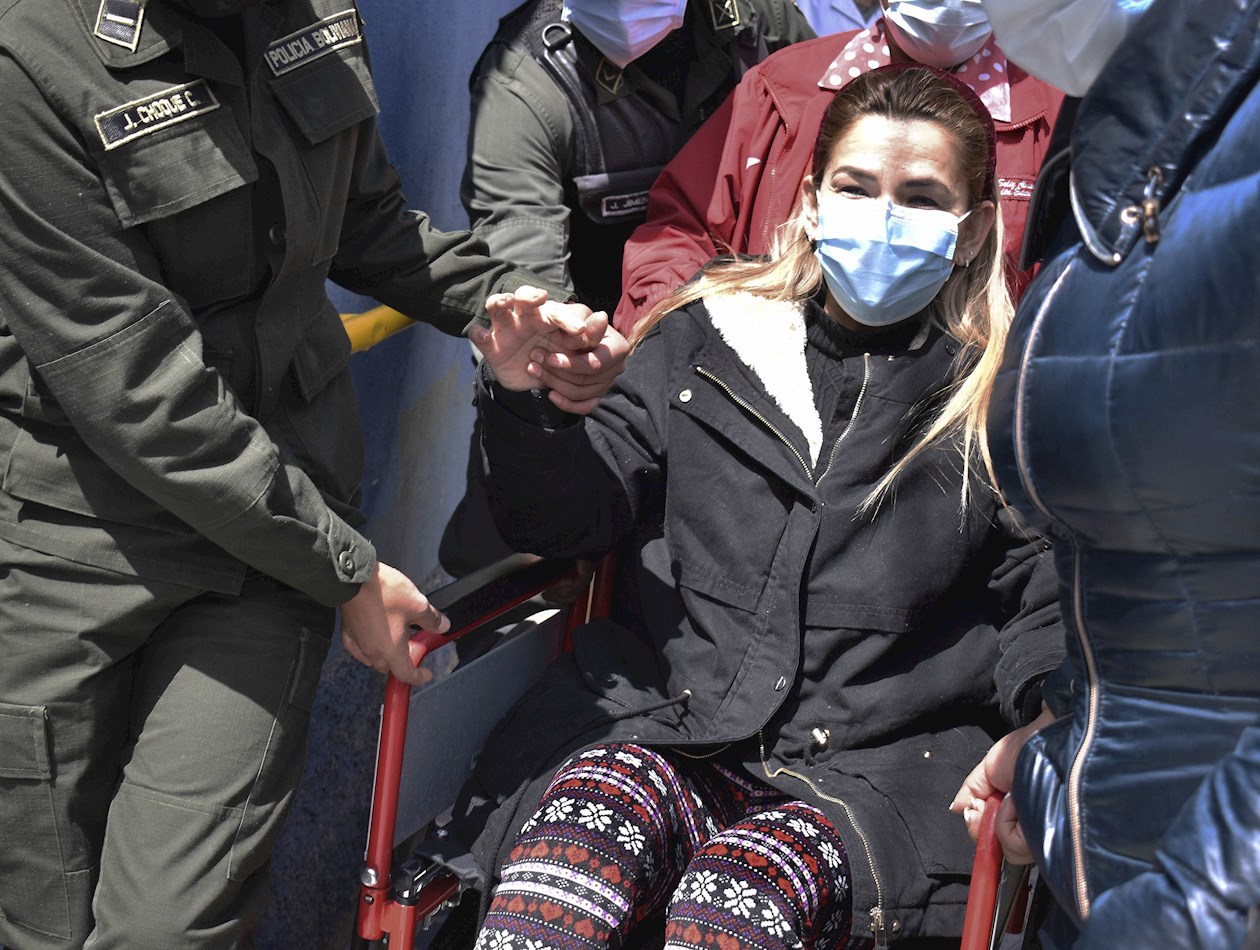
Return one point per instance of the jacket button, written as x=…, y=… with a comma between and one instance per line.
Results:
x=346, y=562
x=277, y=235
x=819, y=737
x=685, y=396
x=780, y=683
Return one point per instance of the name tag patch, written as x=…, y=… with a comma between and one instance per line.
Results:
x=318, y=39
x=616, y=206
x=158, y=111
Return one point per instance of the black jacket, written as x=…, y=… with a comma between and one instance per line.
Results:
x=767, y=605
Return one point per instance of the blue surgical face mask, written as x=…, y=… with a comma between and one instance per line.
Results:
x=1064, y=42
x=884, y=262
x=941, y=33
x=624, y=30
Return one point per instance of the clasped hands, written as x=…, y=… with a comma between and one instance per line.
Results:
x=535, y=343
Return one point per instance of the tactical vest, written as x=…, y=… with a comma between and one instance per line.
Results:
x=619, y=146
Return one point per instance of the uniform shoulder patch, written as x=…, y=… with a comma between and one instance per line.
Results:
x=310, y=43
x=120, y=22
x=158, y=111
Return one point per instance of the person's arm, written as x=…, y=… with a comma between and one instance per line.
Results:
x=1031, y=647
x=1030, y=638
x=562, y=485
x=1206, y=877
x=519, y=142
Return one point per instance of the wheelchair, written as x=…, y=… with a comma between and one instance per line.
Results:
x=402, y=892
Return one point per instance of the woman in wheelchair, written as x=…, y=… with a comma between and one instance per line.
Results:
x=828, y=613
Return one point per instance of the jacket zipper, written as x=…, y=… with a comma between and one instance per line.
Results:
x=744, y=404
x=857, y=406
x=1091, y=669
x=876, y=912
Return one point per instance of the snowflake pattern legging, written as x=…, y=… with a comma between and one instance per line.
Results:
x=624, y=832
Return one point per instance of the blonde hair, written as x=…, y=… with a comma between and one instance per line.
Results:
x=974, y=306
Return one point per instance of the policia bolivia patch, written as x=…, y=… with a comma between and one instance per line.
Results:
x=158, y=111
x=318, y=39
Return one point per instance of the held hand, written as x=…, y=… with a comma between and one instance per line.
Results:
x=376, y=624
x=993, y=776
x=534, y=343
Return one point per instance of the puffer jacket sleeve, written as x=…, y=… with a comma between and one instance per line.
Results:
x=1207, y=869
x=1031, y=637
x=572, y=487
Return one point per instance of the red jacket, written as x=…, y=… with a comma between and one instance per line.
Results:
x=738, y=176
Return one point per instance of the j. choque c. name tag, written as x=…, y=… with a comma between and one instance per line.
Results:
x=158, y=111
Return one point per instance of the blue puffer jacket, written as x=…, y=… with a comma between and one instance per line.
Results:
x=1127, y=425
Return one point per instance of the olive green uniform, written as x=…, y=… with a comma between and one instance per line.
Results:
x=179, y=441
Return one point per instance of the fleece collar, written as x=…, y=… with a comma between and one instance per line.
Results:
x=769, y=338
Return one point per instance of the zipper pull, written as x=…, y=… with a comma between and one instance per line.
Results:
x=877, y=927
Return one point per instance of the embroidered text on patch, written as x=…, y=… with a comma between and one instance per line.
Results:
x=312, y=42
x=162, y=109
x=616, y=206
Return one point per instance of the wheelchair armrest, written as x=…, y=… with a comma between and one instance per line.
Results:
x=492, y=591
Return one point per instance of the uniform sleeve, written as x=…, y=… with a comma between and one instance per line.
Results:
x=691, y=213
x=122, y=357
x=392, y=253
x=519, y=143
x=1031, y=636
x=1206, y=877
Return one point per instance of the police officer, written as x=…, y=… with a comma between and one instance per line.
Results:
x=180, y=442
x=576, y=107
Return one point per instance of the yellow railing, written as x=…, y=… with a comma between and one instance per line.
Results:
x=370, y=327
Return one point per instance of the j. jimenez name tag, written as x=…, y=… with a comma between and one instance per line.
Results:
x=318, y=39
x=158, y=111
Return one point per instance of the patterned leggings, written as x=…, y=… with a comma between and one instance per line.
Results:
x=624, y=832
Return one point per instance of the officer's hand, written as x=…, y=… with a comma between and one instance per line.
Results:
x=534, y=343
x=377, y=622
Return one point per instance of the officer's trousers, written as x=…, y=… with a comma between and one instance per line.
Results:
x=151, y=738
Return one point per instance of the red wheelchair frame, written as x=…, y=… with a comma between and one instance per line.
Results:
x=393, y=901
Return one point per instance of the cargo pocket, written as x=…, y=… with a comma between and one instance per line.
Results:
x=32, y=881
x=282, y=761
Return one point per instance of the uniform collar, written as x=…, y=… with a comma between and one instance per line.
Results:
x=985, y=73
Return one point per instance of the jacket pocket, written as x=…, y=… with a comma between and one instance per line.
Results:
x=714, y=585
x=186, y=183
x=32, y=891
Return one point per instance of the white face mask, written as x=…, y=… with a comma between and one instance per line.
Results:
x=941, y=33
x=1064, y=42
x=623, y=30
